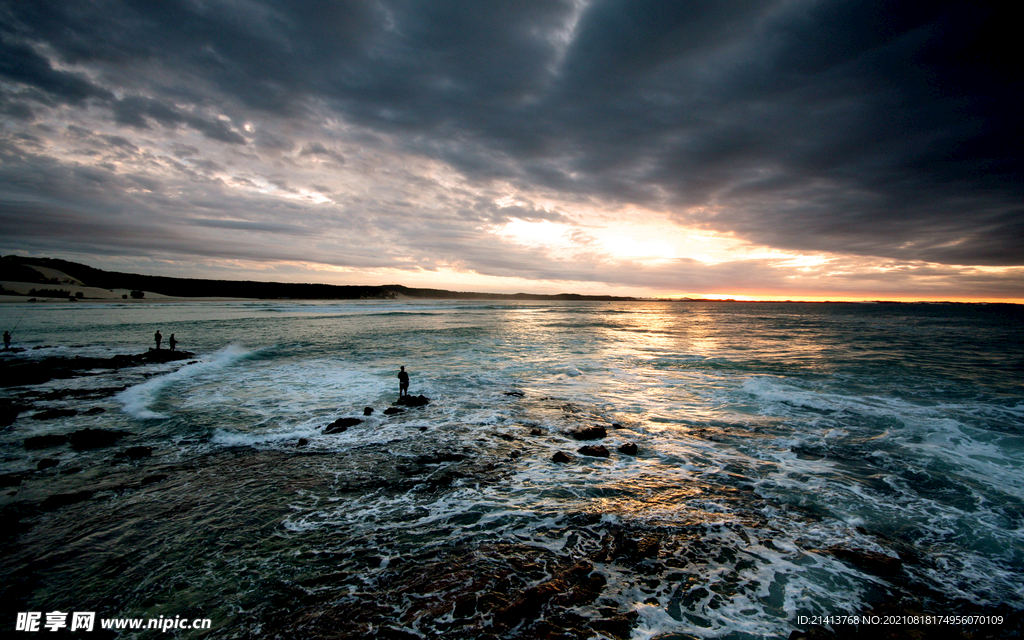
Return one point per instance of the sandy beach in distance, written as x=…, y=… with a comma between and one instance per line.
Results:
x=93, y=294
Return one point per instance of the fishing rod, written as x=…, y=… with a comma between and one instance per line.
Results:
x=16, y=324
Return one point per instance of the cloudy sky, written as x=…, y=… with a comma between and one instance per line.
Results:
x=790, y=148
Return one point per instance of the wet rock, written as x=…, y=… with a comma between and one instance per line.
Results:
x=94, y=411
x=529, y=604
x=440, y=456
x=13, y=374
x=536, y=431
x=92, y=393
x=164, y=355
x=8, y=412
x=156, y=477
x=45, y=442
x=618, y=626
x=638, y=548
x=341, y=425
x=136, y=453
x=302, y=442
x=391, y=411
x=589, y=433
x=870, y=561
x=413, y=401
x=47, y=463
x=807, y=453
x=576, y=586
x=51, y=414
x=367, y=411
x=11, y=479
x=595, y=451
x=94, y=438
x=561, y=457
x=629, y=449
x=64, y=499
x=515, y=394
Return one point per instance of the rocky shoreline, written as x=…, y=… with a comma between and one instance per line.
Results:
x=16, y=372
x=351, y=587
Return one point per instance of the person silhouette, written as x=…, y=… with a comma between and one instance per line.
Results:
x=7, y=340
x=158, y=338
x=172, y=342
x=403, y=383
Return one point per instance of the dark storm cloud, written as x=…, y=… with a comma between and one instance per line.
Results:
x=864, y=127
x=21, y=64
x=138, y=112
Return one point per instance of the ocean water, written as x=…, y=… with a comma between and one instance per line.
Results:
x=784, y=452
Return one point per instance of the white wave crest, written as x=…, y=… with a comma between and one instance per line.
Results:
x=138, y=400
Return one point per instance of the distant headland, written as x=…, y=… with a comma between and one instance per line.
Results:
x=50, y=278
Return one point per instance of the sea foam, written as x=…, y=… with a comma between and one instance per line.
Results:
x=138, y=400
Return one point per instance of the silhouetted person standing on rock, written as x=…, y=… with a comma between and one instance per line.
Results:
x=158, y=338
x=172, y=342
x=403, y=383
x=7, y=340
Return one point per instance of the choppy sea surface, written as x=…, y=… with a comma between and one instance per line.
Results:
x=793, y=461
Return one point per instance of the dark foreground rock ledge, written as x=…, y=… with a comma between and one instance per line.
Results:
x=15, y=373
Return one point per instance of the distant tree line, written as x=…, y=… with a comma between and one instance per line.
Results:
x=18, y=269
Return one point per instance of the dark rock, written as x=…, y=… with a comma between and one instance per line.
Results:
x=561, y=457
x=367, y=411
x=515, y=394
x=413, y=401
x=639, y=548
x=8, y=412
x=136, y=453
x=390, y=411
x=165, y=355
x=589, y=433
x=156, y=477
x=50, y=414
x=13, y=374
x=629, y=449
x=596, y=451
x=618, y=626
x=536, y=431
x=63, y=499
x=11, y=479
x=574, y=587
x=94, y=411
x=439, y=457
x=46, y=463
x=302, y=442
x=94, y=438
x=341, y=425
x=875, y=563
x=45, y=442
x=529, y=603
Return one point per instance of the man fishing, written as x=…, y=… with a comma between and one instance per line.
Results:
x=403, y=383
